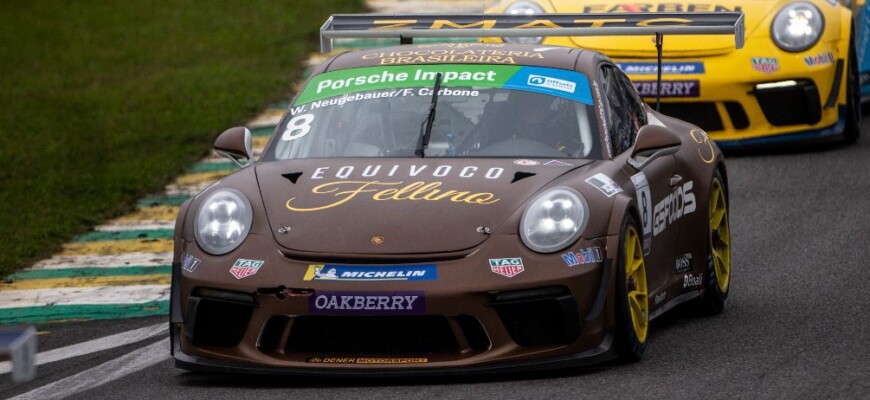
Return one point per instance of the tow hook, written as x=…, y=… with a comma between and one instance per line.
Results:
x=282, y=292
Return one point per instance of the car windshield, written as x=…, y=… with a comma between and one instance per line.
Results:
x=482, y=111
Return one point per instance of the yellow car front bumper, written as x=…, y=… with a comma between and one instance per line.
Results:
x=760, y=95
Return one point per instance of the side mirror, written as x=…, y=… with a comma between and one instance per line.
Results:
x=235, y=144
x=653, y=141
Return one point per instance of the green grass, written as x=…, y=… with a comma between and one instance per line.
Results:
x=102, y=102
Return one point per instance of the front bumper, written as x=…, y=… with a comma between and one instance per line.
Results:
x=601, y=353
x=475, y=321
x=794, y=97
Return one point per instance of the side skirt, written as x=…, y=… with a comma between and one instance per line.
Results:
x=675, y=302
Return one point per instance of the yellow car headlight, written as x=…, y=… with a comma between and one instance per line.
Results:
x=797, y=27
x=524, y=8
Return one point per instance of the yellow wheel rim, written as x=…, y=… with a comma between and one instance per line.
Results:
x=636, y=289
x=720, y=236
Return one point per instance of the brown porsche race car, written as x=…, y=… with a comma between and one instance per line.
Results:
x=451, y=208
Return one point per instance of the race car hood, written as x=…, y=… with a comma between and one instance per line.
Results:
x=756, y=14
x=396, y=206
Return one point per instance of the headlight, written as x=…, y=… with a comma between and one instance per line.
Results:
x=524, y=8
x=797, y=27
x=223, y=221
x=554, y=220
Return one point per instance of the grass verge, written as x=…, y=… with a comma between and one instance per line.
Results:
x=105, y=101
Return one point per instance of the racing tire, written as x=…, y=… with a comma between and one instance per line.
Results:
x=718, y=268
x=632, y=295
x=853, y=98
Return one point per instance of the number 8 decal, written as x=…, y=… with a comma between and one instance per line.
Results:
x=298, y=127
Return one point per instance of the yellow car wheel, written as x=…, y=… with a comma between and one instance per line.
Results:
x=632, y=295
x=718, y=249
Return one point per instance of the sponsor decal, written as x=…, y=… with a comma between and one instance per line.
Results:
x=557, y=163
x=527, y=163
x=668, y=68
x=683, y=263
x=340, y=84
x=669, y=88
x=644, y=202
x=602, y=119
x=604, y=184
x=767, y=65
x=489, y=53
x=335, y=272
x=570, y=85
x=554, y=21
x=244, y=268
x=661, y=8
x=189, y=262
x=692, y=281
x=508, y=267
x=588, y=255
x=367, y=303
x=705, y=145
x=660, y=298
x=864, y=78
x=368, y=360
x=413, y=171
x=345, y=191
x=680, y=202
x=826, y=58
x=552, y=83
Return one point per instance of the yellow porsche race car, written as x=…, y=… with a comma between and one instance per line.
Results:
x=796, y=80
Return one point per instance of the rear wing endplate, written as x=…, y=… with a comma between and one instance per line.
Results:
x=406, y=27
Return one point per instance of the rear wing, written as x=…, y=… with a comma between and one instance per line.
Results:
x=406, y=27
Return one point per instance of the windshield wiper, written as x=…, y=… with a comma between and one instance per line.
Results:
x=426, y=126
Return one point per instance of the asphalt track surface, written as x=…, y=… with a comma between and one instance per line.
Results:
x=796, y=326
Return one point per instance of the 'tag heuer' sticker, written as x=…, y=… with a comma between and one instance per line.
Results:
x=509, y=267
x=243, y=268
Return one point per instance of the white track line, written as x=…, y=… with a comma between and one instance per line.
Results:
x=135, y=226
x=83, y=295
x=142, y=259
x=93, y=346
x=104, y=373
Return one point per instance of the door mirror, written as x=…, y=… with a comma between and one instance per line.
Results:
x=653, y=141
x=235, y=144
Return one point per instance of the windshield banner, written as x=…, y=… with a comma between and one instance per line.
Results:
x=571, y=85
